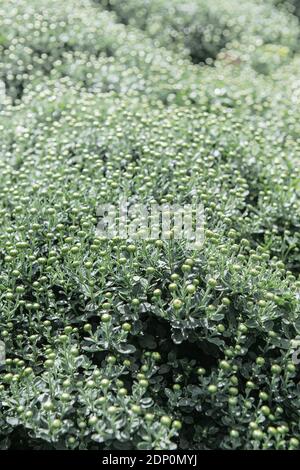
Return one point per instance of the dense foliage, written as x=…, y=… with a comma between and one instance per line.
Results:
x=205, y=28
x=114, y=343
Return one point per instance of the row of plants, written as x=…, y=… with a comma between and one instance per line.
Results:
x=86, y=43
x=252, y=31
x=56, y=275
x=146, y=344
x=79, y=40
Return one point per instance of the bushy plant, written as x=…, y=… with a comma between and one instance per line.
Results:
x=204, y=28
x=78, y=40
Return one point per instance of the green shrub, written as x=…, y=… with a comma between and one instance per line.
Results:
x=65, y=290
x=292, y=6
x=76, y=39
x=146, y=344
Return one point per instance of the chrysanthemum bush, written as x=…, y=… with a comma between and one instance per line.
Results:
x=144, y=344
x=292, y=6
x=204, y=28
x=80, y=40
